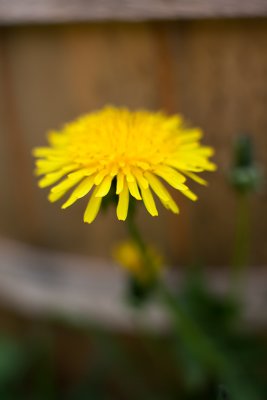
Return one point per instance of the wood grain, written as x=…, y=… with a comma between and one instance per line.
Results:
x=39, y=11
x=19, y=191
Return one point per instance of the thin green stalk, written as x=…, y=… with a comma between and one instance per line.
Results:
x=242, y=239
x=137, y=238
x=136, y=235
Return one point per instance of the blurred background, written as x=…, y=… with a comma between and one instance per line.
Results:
x=62, y=59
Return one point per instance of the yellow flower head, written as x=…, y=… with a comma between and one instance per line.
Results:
x=129, y=256
x=136, y=151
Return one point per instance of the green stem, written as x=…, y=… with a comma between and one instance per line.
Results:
x=139, y=241
x=136, y=235
x=242, y=238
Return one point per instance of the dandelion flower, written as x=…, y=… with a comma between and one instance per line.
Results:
x=129, y=256
x=134, y=151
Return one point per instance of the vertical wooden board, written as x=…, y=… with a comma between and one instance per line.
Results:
x=110, y=64
x=4, y=181
x=22, y=116
x=221, y=86
x=177, y=243
x=17, y=194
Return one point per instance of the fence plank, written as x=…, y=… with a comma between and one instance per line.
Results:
x=19, y=191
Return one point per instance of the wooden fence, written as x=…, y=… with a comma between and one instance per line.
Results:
x=213, y=71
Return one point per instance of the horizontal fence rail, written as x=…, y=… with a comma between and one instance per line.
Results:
x=55, y=11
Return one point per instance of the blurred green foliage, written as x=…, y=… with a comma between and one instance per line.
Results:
x=220, y=350
x=208, y=352
x=245, y=174
x=205, y=353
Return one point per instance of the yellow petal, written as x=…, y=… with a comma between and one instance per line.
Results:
x=162, y=193
x=192, y=163
x=92, y=208
x=206, y=151
x=210, y=166
x=56, y=139
x=142, y=181
x=65, y=185
x=128, y=173
x=157, y=186
x=171, y=205
x=149, y=202
x=84, y=187
x=134, y=190
x=104, y=186
x=190, y=195
x=82, y=172
x=42, y=152
x=174, y=178
x=196, y=178
x=190, y=135
x=53, y=177
x=46, y=166
x=100, y=176
x=58, y=191
x=114, y=170
x=52, y=197
x=123, y=204
x=120, y=183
